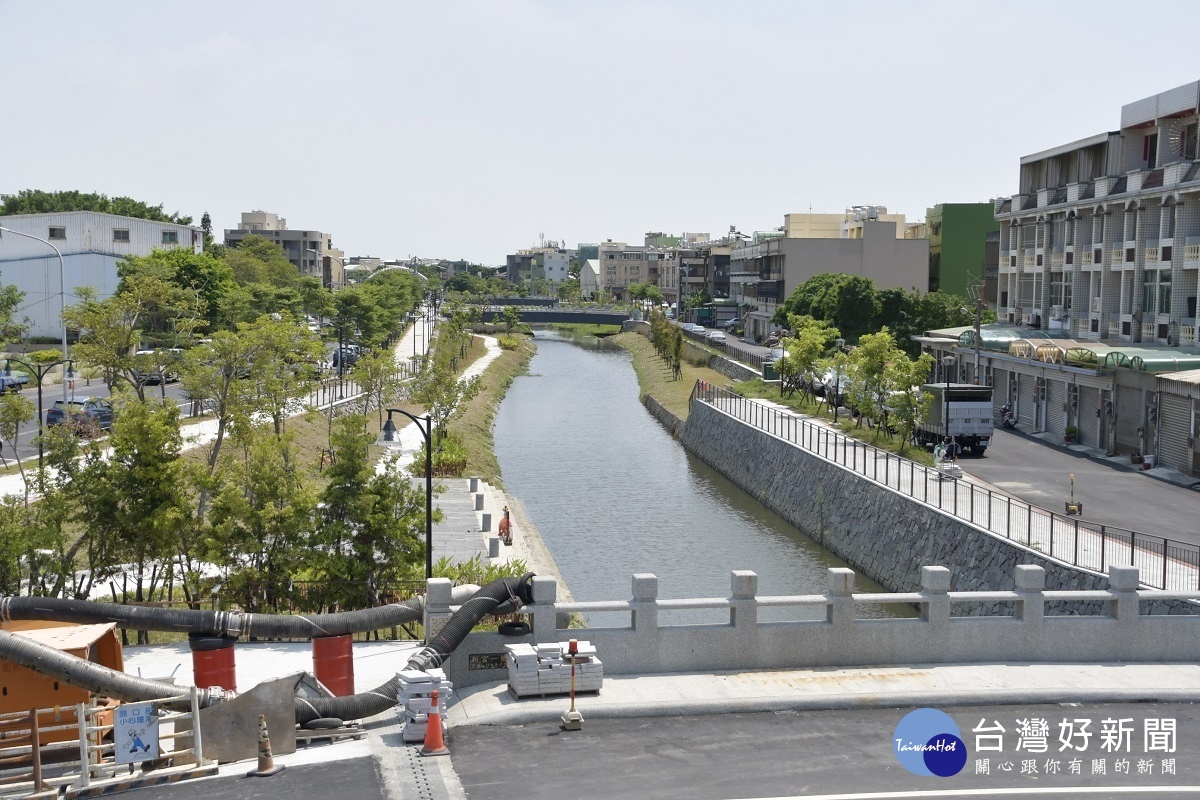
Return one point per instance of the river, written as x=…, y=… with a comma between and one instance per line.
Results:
x=614, y=494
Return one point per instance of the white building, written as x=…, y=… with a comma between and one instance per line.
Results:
x=91, y=245
x=589, y=278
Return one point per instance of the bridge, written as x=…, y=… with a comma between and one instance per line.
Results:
x=535, y=316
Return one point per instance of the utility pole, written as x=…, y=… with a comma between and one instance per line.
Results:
x=978, y=320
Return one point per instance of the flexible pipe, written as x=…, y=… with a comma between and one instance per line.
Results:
x=495, y=597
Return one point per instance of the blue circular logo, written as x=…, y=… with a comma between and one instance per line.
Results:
x=928, y=742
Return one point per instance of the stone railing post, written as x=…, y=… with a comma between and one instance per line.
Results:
x=840, y=610
x=1124, y=581
x=438, y=596
x=545, y=594
x=935, y=583
x=1031, y=608
x=743, y=606
x=645, y=604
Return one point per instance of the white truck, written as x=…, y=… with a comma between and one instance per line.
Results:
x=960, y=410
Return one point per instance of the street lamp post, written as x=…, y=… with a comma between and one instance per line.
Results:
x=41, y=370
x=387, y=438
x=62, y=290
x=947, y=363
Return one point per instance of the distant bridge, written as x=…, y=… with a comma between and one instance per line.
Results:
x=534, y=316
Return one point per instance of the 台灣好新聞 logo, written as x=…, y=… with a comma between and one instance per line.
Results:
x=927, y=742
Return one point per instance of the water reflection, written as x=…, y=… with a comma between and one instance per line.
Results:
x=614, y=494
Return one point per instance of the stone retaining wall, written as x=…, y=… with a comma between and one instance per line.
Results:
x=884, y=534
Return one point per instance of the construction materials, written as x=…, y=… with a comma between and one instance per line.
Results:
x=415, y=698
x=545, y=669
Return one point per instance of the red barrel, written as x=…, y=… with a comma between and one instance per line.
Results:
x=212, y=661
x=333, y=663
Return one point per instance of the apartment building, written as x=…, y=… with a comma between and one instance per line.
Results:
x=622, y=265
x=91, y=244
x=312, y=252
x=1099, y=254
x=767, y=268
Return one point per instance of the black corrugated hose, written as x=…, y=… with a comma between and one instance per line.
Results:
x=499, y=596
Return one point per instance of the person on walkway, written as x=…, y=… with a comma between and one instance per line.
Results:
x=506, y=533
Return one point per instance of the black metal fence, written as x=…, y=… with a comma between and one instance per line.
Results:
x=1163, y=563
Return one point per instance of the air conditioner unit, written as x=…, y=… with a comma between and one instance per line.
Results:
x=1028, y=319
x=1095, y=305
x=1057, y=312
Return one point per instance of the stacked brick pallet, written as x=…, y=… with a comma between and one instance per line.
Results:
x=546, y=669
x=413, y=700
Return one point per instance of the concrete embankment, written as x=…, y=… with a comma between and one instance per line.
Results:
x=530, y=548
x=882, y=533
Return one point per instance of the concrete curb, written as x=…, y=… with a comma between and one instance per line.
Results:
x=547, y=711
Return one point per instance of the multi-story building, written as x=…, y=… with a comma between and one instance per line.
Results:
x=1099, y=254
x=91, y=244
x=767, y=268
x=622, y=265
x=312, y=252
x=957, y=234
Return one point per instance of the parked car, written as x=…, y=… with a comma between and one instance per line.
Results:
x=12, y=380
x=692, y=327
x=715, y=337
x=164, y=371
x=86, y=412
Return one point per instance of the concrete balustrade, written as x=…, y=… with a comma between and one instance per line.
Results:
x=941, y=633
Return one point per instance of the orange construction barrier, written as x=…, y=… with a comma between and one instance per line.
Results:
x=435, y=744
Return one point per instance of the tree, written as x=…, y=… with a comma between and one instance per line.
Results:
x=378, y=377
x=369, y=526
x=259, y=260
x=438, y=390
x=511, y=318
x=199, y=279
x=848, y=302
x=206, y=229
x=15, y=411
x=111, y=330
x=869, y=373
x=908, y=407
x=10, y=299
x=262, y=515
x=35, y=201
x=803, y=350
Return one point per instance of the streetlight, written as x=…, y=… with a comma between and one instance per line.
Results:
x=330, y=255
x=387, y=438
x=41, y=370
x=947, y=363
x=62, y=291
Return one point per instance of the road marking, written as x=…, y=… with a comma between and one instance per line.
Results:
x=1067, y=790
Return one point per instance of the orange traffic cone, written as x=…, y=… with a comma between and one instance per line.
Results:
x=435, y=745
x=266, y=763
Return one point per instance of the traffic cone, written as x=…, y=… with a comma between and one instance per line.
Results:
x=266, y=763
x=434, y=745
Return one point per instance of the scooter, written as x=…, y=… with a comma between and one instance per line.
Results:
x=1007, y=418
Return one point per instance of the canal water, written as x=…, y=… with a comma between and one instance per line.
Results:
x=614, y=494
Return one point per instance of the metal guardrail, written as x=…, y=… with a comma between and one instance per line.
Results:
x=1163, y=563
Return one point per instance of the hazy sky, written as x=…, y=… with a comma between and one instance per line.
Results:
x=465, y=130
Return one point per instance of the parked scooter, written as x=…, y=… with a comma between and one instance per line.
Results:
x=1007, y=418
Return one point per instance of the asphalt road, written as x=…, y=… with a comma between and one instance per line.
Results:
x=351, y=779
x=817, y=754
x=1112, y=495
x=25, y=441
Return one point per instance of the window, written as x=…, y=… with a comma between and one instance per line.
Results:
x=120, y=235
x=58, y=233
x=1156, y=291
x=170, y=237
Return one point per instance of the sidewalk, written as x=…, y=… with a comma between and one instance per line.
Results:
x=678, y=694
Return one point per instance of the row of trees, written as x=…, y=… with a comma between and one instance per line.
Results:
x=255, y=506
x=853, y=305
x=877, y=377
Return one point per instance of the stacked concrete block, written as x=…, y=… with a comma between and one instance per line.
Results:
x=546, y=669
x=413, y=700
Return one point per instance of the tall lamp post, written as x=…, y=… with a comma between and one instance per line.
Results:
x=41, y=370
x=387, y=438
x=947, y=363
x=62, y=291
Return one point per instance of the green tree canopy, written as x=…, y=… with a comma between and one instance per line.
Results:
x=36, y=201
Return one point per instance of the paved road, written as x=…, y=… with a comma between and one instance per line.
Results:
x=351, y=779
x=811, y=754
x=1111, y=494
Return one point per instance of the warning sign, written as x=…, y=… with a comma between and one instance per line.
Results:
x=135, y=733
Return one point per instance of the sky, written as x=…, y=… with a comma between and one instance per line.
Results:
x=472, y=129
